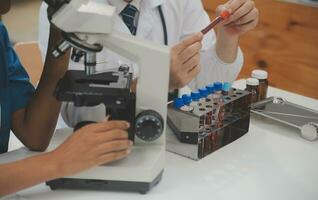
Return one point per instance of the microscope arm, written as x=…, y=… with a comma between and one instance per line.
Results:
x=154, y=62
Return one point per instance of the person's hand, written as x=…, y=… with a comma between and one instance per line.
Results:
x=244, y=17
x=185, y=61
x=93, y=145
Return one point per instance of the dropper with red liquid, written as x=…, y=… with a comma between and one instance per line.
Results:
x=223, y=16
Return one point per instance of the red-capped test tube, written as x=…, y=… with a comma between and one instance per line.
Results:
x=223, y=16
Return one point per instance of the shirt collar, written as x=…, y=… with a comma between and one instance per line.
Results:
x=155, y=3
x=121, y=4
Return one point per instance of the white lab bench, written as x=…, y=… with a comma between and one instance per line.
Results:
x=271, y=162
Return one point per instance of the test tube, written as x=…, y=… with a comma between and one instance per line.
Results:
x=218, y=90
x=195, y=97
x=209, y=106
x=186, y=99
x=204, y=94
x=179, y=104
x=218, y=102
x=209, y=120
x=211, y=91
x=195, y=102
x=198, y=108
x=226, y=88
x=224, y=15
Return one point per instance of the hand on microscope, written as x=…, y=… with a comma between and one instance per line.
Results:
x=185, y=61
x=92, y=145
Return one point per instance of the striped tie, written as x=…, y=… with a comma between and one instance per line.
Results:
x=128, y=15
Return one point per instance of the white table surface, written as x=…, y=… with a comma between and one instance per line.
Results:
x=271, y=162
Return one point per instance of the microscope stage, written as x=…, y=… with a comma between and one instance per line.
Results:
x=111, y=88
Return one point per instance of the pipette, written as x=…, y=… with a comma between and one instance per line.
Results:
x=223, y=16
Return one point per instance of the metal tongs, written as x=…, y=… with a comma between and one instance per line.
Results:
x=308, y=130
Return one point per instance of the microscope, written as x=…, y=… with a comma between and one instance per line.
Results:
x=88, y=28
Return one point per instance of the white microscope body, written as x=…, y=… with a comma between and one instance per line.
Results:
x=92, y=22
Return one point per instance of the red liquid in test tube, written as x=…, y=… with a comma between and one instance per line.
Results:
x=223, y=16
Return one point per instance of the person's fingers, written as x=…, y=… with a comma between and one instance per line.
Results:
x=114, y=134
x=106, y=118
x=189, y=52
x=228, y=3
x=192, y=62
x=108, y=125
x=248, y=26
x=241, y=12
x=251, y=16
x=233, y=5
x=114, y=146
x=193, y=73
x=114, y=156
x=196, y=37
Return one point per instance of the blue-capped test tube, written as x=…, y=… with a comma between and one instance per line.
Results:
x=195, y=101
x=180, y=105
x=218, y=91
x=217, y=102
x=195, y=97
x=211, y=106
x=198, y=108
x=186, y=99
x=218, y=87
x=204, y=94
x=226, y=88
x=211, y=91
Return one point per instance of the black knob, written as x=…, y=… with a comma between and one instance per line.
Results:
x=149, y=125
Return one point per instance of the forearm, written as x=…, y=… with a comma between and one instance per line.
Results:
x=226, y=46
x=40, y=116
x=26, y=173
x=244, y=17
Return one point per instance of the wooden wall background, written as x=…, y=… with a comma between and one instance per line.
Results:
x=285, y=43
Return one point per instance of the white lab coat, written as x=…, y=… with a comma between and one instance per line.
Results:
x=183, y=17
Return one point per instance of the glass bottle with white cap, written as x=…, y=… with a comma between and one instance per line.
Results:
x=252, y=85
x=262, y=77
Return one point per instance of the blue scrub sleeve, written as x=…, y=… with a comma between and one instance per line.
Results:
x=21, y=90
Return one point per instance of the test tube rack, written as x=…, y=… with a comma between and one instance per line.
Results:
x=189, y=134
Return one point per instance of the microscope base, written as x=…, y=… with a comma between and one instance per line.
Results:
x=103, y=185
x=139, y=172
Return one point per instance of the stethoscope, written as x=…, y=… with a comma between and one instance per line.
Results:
x=164, y=25
x=174, y=94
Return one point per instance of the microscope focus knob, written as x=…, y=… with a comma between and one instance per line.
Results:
x=149, y=125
